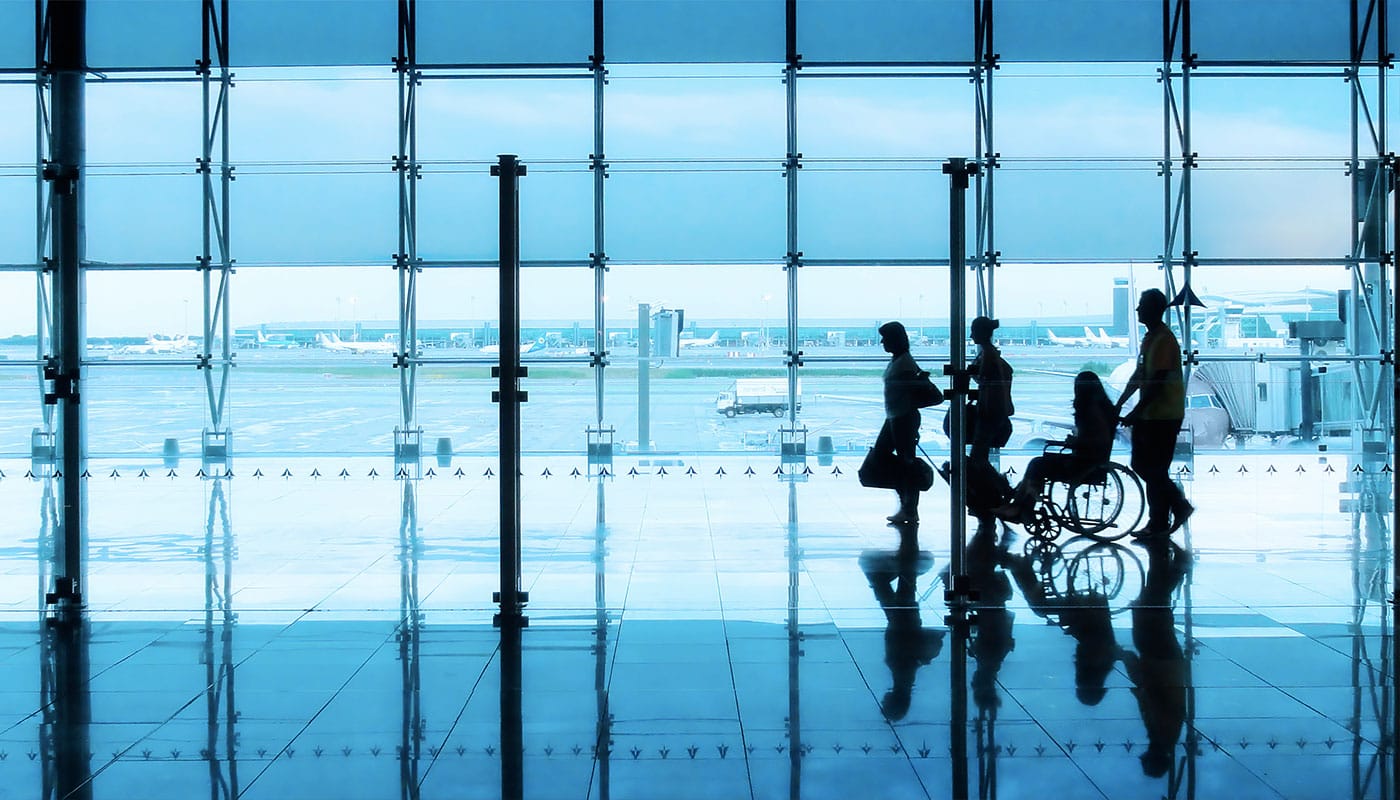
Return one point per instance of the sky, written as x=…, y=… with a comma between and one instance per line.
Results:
x=695, y=181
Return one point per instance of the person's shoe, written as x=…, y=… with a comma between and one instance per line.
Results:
x=904, y=517
x=1180, y=514
x=1153, y=530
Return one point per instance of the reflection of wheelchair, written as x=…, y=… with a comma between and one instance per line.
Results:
x=1080, y=568
x=1105, y=502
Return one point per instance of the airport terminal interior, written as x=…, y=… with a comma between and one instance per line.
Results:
x=469, y=398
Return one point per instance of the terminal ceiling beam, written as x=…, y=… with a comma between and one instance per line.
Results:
x=66, y=64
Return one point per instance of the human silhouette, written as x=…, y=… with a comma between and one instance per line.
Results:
x=993, y=640
x=1088, y=447
x=990, y=420
x=1083, y=614
x=1158, y=668
x=1156, y=419
x=893, y=576
x=899, y=435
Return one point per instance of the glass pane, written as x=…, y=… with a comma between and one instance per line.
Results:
x=143, y=33
x=695, y=113
x=312, y=32
x=838, y=331
x=1274, y=30
x=707, y=215
x=1278, y=209
x=145, y=218
x=18, y=314
x=835, y=31
x=337, y=218
x=684, y=382
x=17, y=35
x=1079, y=30
x=504, y=32
x=327, y=332
x=476, y=120
x=144, y=315
x=676, y=31
x=459, y=212
x=21, y=404
x=134, y=411
x=1271, y=117
x=1082, y=210
x=17, y=199
x=1084, y=111
x=340, y=118
x=17, y=233
x=867, y=210
x=930, y=117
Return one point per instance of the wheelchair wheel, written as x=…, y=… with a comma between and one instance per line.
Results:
x=1109, y=570
x=1093, y=508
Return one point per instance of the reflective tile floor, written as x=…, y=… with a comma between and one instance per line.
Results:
x=311, y=634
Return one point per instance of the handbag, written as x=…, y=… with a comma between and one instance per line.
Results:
x=885, y=471
x=925, y=392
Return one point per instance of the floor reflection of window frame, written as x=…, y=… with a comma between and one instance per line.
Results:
x=602, y=741
x=409, y=638
x=1370, y=555
x=64, y=669
x=219, y=672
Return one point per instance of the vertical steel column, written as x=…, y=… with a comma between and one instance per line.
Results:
x=958, y=172
x=988, y=257
x=509, y=395
x=1189, y=164
x=217, y=324
x=66, y=22
x=512, y=716
x=598, y=259
x=68, y=706
x=644, y=377
x=1176, y=130
x=406, y=259
x=791, y=165
x=219, y=666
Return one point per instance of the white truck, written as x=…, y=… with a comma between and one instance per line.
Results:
x=756, y=396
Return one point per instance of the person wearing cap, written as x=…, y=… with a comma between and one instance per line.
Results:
x=1156, y=419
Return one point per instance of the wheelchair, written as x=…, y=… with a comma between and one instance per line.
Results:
x=1104, y=503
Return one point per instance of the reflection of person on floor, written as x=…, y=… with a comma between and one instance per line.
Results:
x=1089, y=446
x=1158, y=668
x=900, y=433
x=1156, y=419
x=1084, y=615
x=993, y=640
x=908, y=644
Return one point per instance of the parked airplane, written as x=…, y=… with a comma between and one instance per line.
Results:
x=1109, y=341
x=261, y=341
x=525, y=347
x=160, y=344
x=692, y=342
x=331, y=341
x=1087, y=340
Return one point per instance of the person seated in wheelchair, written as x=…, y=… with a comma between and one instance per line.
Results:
x=1087, y=449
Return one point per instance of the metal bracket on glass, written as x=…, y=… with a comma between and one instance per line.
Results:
x=792, y=445
x=64, y=589
x=992, y=160
x=1192, y=358
x=598, y=162
x=408, y=445
x=600, y=445
x=598, y=359
x=598, y=261
x=63, y=178
x=793, y=161
x=793, y=260
x=216, y=450
x=521, y=395
x=793, y=359
x=400, y=361
x=401, y=261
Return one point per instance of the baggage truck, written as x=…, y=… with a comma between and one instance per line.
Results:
x=756, y=396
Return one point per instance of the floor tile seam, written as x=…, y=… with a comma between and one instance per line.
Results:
x=447, y=734
x=707, y=497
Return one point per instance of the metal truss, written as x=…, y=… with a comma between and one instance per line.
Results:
x=986, y=258
x=1371, y=169
x=215, y=262
x=792, y=164
x=598, y=259
x=47, y=333
x=406, y=259
x=1178, y=159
